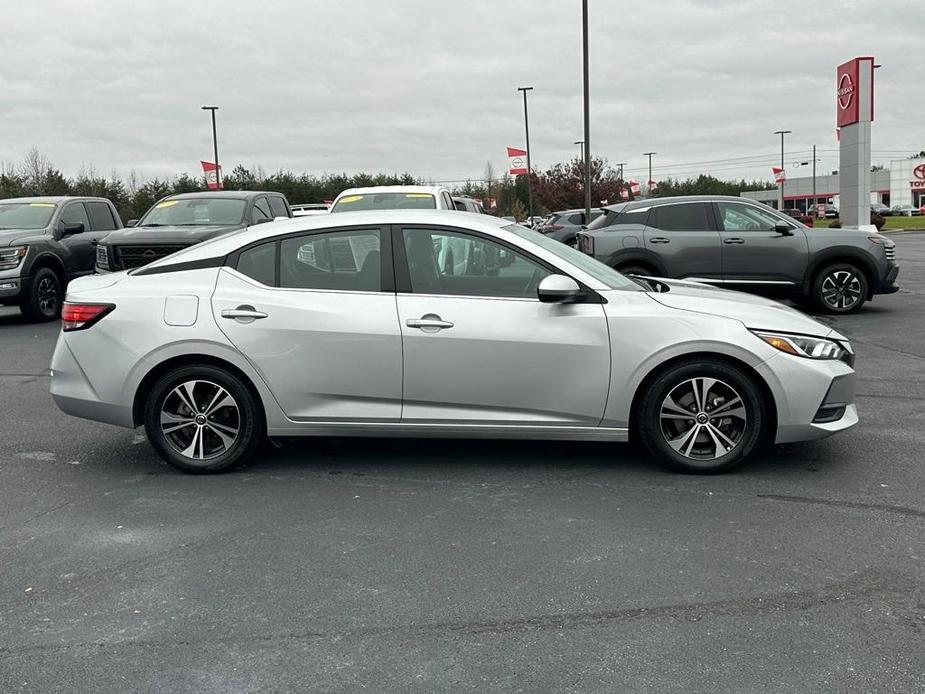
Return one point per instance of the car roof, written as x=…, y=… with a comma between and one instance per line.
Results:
x=55, y=199
x=433, y=190
x=651, y=202
x=224, y=194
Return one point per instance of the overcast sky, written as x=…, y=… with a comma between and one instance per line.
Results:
x=430, y=87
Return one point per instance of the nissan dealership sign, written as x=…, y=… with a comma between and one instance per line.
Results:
x=847, y=98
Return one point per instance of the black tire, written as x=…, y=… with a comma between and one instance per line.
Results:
x=44, y=301
x=745, y=431
x=211, y=452
x=836, y=285
x=634, y=269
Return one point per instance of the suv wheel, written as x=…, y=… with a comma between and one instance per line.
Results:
x=44, y=301
x=840, y=288
x=203, y=419
x=701, y=417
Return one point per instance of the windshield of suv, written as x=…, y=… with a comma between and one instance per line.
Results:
x=25, y=215
x=585, y=263
x=195, y=212
x=385, y=201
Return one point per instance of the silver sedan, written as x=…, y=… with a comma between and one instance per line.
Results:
x=435, y=324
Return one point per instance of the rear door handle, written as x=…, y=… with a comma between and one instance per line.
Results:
x=429, y=323
x=243, y=313
x=734, y=240
x=659, y=239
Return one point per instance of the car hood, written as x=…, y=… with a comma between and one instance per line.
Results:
x=11, y=237
x=755, y=312
x=169, y=235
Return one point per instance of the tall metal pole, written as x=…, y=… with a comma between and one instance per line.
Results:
x=527, y=132
x=784, y=173
x=584, y=48
x=649, y=179
x=814, y=181
x=218, y=171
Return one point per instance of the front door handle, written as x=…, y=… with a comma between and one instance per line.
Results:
x=429, y=323
x=659, y=239
x=734, y=240
x=243, y=313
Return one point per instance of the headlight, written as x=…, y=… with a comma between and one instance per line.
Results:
x=10, y=258
x=102, y=256
x=809, y=347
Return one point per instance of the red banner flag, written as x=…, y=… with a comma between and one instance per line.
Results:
x=211, y=173
x=518, y=159
x=779, y=174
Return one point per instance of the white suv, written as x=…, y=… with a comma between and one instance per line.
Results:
x=394, y=198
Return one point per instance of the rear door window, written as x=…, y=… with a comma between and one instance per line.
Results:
x=684, y=217
x=278, y=207
x=337, y=260
x=101, y=216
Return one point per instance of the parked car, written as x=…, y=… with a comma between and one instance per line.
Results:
x=922, y=209
x=881, y=209
x=799, y=215
x=308, y=209
x=257, y=337
x=393, y=198
x=178, y=221
x=563, y=225
x=740, y=244
x=44, y=244
x=467, y=204
x=831, y=212
x=906, y=211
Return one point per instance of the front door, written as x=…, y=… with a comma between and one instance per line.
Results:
x=479, y=347
x=82, y=246
x=684, y=238
x=754, y=253
x=317, y=326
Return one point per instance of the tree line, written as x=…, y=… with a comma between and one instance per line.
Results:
x=558, y=187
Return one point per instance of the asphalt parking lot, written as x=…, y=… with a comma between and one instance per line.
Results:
x=370, y=565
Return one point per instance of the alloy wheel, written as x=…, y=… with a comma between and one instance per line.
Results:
x=702, y=418
x=47, y=293
x=841, y=290
x=200, y=419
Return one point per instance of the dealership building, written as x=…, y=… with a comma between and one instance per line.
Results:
x=902, y=184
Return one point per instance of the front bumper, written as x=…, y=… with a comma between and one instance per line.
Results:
x=14, y=289
x=888, y=284
x=814, y=398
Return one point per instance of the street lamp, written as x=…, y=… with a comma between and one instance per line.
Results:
x=780, y=204
x=581, y=149
x=587, y=113
x=649, y=179
x=527, y=133
x=218, y=171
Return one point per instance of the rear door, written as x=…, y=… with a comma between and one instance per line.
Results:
x=315, y=314
x=479, y=346
x=686, y=240
x=754, y=253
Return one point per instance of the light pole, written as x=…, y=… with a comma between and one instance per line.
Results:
x=815, y=202
x=587, y=113
x=581, y=149
x=218, y=171
x=527, y=132
x=649, y=180
x=780, y=204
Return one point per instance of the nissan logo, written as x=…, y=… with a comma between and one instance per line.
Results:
x=919, y=171
x=845, y=91
x=149, y=254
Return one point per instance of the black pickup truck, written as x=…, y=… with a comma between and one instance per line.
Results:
x=45, y=243
x=182, y=220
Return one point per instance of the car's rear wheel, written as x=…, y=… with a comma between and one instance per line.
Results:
x=704, y=416
x=203, y=419
x=44, y=301
x=840, y=288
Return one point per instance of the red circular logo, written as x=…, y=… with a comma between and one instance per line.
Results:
x=919, y=171
x=845, y=91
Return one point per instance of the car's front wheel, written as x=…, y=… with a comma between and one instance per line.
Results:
x=44, y=301
x=840, y=288
x=203, y=419
x=703, y=416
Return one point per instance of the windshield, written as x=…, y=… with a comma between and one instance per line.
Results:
x=585, y=263
x=25, y=215
x=385, y=201
x=195, y=212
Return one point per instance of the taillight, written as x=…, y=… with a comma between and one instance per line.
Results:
x=80, y=316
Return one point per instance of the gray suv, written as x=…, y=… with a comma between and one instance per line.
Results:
x=739, y=244
x=45, y=243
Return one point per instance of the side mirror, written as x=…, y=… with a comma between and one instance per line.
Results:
x=70, y=229
x=558, y=289
x=132, y=223
x=783, y=229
